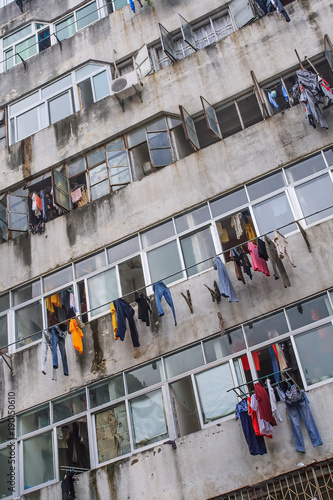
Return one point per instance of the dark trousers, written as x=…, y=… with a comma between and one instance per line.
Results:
x=58, y=339
x=255, y=443
x=124, y=310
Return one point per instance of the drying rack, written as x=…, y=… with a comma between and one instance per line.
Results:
x=242, y=390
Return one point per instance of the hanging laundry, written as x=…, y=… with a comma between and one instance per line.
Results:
x=132, y=5
x=259, y=264
x=49, y=305
x=161, y=289
x=76, y=195
x=250, y=231
x=278, y=267
x=114, y=320
x=245, y=262
x=235, y=258
x=58, y=339
x=298, y=406
x=265, y=410
x=215, y=294
x=236, y=224
x=143, y=307
x=84, y=200
x=47, y=346
x=262, y=252
x=72, y=301
x=68, y=487
x=226, y=288
x=271, y=97
x=308, y=91
x=282, y=247
x=222, y=327
x=275, y=362
x=140, y=3
x=124, y=310
x=285, y=93
x=279, y=7
x=326, y=91
x=56, y=299
x=261, y=426
x=272, y=399
x=255, y=357
x=77, y=335
x=255, y=443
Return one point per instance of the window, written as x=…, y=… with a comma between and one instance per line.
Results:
x=79, y=19
x=57, y=100
x=24, y=43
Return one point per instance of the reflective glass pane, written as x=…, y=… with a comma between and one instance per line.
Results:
x=73, y=445
x=265, y=186
x=9, y=58
x=24, y=103
x=229, y=202
x=329, y=156
x=96, y=157
x=60, y=107
x=273, y=214
x=76, y=166
x=158, y=140
x=107, y=391
x=28, y=320
x=225, y=345
x=58, y=279
x=18, y=35
x=118, y=4
x=159, y=124
x=131, y=277
x=90, y=264
x=184, y=361
x=192, y=219
x=249, y=110
x=61, y=193
x=161, y=157
x=136, y=137
x=27, y=124
x=123, y=249
x=213, y=385
x=102, y=290
x=98, y=174
x=5, y=477
x=87, y=70
x=197, y=250
x=314, y=196
x=7, y=429
x=305, y=313
x=119, y=176
x=4, y=302
x=86, y=15
x=26, y=292
x=26, y=49
x=32, y=420
x=69, y=406
x=38, y=460
x=315, y=349
x=148, y=419
x=304, y=168
x=57, y=86
x=229, y=120
x=145, y=376
x=266, y=328
x=184, y=407
x=99, y=190
x=157, y=234
x=101, y=85
x=65, y=28
x=85, y=92
x=17, y=222
x=117, y=158
x=164, y=263
x=116, y=144
x=112, y=433
x=3, y=333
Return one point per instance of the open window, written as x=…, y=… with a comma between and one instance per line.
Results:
x=3, y=219
x=17, y=213
x=189, y=128
x=211, y=118
x=61, y=191
x=167, y=43
x=142, y=62
x=328, y=51
x=259, y=95
x=187, y=32
x=2, y=129
x=242, y=12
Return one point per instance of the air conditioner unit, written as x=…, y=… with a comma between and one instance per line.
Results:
x=126, y=85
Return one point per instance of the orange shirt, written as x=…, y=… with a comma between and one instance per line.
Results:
x=77, y=335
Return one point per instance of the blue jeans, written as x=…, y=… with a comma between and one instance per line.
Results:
x=124, y=310
x=302, y=409
x=58, y=339
x=161, y=289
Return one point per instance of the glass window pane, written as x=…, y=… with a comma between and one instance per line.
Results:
x=131, y=277
x=196, y=249
x=58, y=279
x=24, y=103
x=233, y=230
x=102, y=290
x=112, y=433
x=315, y=349
x=148, y=419
x=5, y=477
x=229, y=202
x=123, y=249
x=26, y=292
x=28, y=320
x=184, y=361
x=159, y=124
x=192, y=219
x=32, y=420
x=157, y=140
x=65, y=28
x=305, y=313
x=273, y=214
x=164, y=263
x=329, y=156
x=119, y=177
x=107, y=391
x=7, y=430
x=60, y=107
x=225, y=345
x=249, y=110
x=265, y=186
x=27, y=124
x=69, y=406
x=157, y=234
x=136, y=137
x=229, y=120
x=161, y=157
x=314, y=196
x=118, y=4
x=145, y=376
x=86, y=15
x=96, y=157
x=184, y=407
x=9, y=58
x=85, y=93
x=57, y=86
x=304, y=168
x=18, y=35
x=99, y=190
x=215, y=401
x=101, y=86
x=4, y=302
x=75, y=167
x=38, y=460
x=3, y=333
x=117, y=158
x=266, y=328
x=90, y=264
x=26, y=49
x=87, y=70
x=73, y=445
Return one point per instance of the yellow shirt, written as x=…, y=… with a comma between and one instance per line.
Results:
x=49, y=305
x=250, y=231
x=77, y=335
x=56, y=299
x=114, y=320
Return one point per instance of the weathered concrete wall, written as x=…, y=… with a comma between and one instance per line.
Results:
x=206, y=463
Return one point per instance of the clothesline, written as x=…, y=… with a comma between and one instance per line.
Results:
x=264, y=377
x=163, y=279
